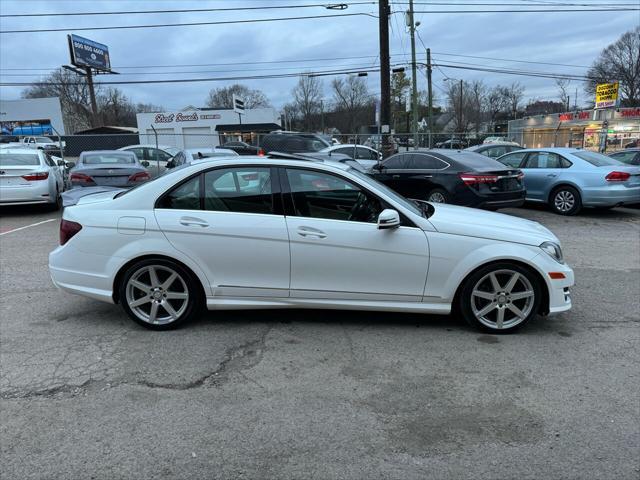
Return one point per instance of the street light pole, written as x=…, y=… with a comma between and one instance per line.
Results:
x=430, y=93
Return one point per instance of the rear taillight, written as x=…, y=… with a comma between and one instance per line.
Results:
x=139, y=177
x=32, y=177
x=475, y=179
x=81, y=178
x=261, y=152
x=617, y=177
x=67, y=230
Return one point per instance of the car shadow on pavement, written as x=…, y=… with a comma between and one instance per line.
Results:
x=618, y=213
x=19, y=210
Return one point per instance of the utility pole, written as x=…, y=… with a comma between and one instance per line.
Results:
x=414, y=78
x=430, y=94
x=92, y=97
x=385, y=76
x=460, y=116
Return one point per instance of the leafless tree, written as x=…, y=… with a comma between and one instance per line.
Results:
x=223, y=97
x=307, y=96
x=73, y=92
x=563, y=92
x=459, y=100
x=514, y=94
x=495, y=103
x=476, y=103
x=620, y=61
x=350, y=95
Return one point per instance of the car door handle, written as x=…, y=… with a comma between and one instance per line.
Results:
x=551, y=175
x=311, y=232
x=426, y=176
x=193, y=222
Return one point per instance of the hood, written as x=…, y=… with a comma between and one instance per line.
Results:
x=472, y=222
x=84, y=195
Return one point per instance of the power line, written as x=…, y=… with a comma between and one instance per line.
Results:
x=510, y=60
x=192, y=24
x=183, y=10
x=554, y=10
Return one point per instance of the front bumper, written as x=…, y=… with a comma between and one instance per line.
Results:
x=559, y=289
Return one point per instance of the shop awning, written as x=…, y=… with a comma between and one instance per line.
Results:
x=248, y=128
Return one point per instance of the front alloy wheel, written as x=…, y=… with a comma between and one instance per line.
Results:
x=158, y=294
x=500, y=298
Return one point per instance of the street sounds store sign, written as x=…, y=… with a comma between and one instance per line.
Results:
x=607, y=95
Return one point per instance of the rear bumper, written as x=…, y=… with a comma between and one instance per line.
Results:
x=37, y=192
x=495, y=200
x=610, y=195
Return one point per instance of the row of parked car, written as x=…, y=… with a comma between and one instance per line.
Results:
x=492, y=176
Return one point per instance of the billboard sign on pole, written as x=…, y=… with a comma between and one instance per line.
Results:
x=607, y=95
x=86, y=53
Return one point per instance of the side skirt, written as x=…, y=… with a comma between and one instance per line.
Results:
x=245, y=303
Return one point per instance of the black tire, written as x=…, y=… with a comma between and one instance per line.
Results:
x=186, y=282
x=57, y=205
x=441, y=194
x=489, y=324
x=565, y=200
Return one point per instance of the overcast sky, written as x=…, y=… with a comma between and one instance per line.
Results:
x=569, y=38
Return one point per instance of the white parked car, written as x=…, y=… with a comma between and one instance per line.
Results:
x=44, y=143
x=30, y=177
x=153, y=154
x=256, y=232
x=190, y=155
x=365, y=156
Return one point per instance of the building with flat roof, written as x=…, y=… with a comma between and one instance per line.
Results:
x=204, y=127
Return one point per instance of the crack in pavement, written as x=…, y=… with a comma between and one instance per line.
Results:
x=237, y=359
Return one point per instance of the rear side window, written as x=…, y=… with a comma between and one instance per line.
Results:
x=185, y=196
x=597, y=159
x=422, y=161
x=513, y=160
x=241, y=190
x=630, y=158
x=18, y=159
x=495, y=152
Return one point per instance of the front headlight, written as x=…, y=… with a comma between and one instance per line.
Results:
x=553, y=250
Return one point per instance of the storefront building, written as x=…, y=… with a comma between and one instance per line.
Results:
x=589, y=129
x=195, y=128
x=31, y=116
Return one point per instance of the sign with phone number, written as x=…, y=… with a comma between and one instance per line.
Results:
x=87, y=53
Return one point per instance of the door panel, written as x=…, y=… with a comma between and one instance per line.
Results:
x=356, y=260
x=542, y=170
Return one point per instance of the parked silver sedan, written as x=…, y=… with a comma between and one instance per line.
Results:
x=113, y=168
x=30, y=176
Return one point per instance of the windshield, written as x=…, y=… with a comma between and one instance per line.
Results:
x=18, y=159
x=597, y=159
x=109, y=159
x=412, y=207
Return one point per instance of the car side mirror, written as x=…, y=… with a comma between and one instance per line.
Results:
x=171, y=164
x=61, y=163
x=388, y=218
x=144, y=163
x=378, y=166
x=71, y=164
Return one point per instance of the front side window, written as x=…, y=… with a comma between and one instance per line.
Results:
x=495, y=152
x=394, y=162
x=345, y=151
x=366, y=154
x=322, y=195
x=138, y=152
x=242, y=190
x=513, y=160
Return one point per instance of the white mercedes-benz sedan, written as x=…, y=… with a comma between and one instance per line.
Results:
x=259, y=232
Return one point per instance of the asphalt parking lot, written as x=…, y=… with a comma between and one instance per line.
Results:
x=85, y=393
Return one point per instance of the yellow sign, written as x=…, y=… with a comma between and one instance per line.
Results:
x=607, y=95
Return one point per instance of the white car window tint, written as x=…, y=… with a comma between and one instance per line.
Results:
x=243, y=190
x=321, y=195
x=183, y=197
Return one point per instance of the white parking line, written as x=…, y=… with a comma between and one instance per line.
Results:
x=28, y=226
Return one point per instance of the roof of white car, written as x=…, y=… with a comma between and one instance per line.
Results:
x=345, y=145
x=148, y=145
x=552, y=150
x=262, y=160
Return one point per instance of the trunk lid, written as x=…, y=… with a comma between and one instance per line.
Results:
x=11, y=176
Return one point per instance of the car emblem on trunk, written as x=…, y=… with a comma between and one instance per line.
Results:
x=110, y=171
x=2, y=172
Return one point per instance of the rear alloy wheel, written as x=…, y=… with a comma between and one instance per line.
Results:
x=438, y=196
x=566, y=201
x=159, y=294
x=500, y=298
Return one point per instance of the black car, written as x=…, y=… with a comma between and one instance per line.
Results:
x=630, y=156
x=494, y=150
x=242, y=148
x=293, y=142
x=457, y=177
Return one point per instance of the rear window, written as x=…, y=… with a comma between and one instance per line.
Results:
x=108, y=159
x=597, y=159
x=18, y=159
